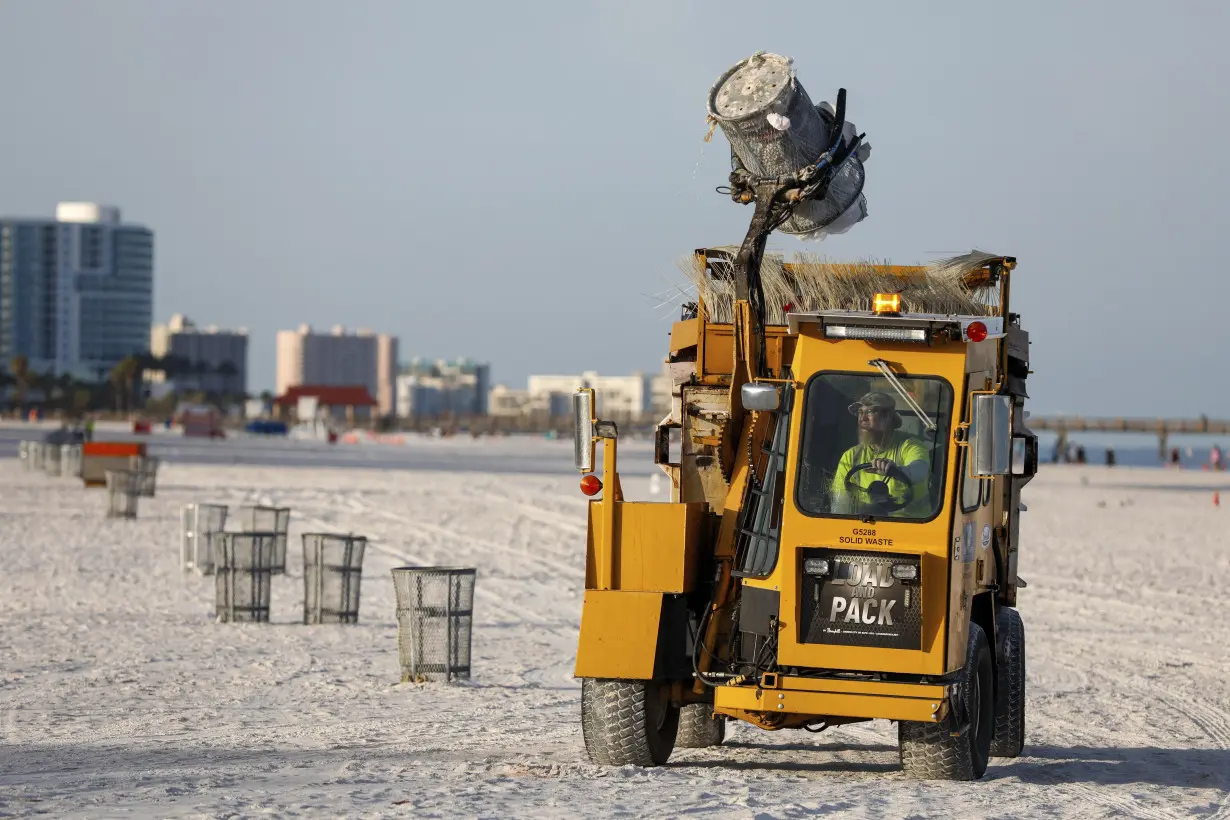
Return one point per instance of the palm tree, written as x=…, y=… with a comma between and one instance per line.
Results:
x=19, y=366
x=122, y=377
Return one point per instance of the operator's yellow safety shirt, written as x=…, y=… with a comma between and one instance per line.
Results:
x=900, y=449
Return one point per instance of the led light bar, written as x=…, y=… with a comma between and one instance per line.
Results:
x=905, y=572
x=876, y=333
x=816, y=566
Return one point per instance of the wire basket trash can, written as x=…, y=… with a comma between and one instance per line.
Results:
x=25, y=454
x=121, y=494
x=256, y=518
x=70, y=460
x=435, y=612
x=332, y=574
x=200, y=523
x=34, y=460
x=51, y=460
x=146, y=470
x=243, y=569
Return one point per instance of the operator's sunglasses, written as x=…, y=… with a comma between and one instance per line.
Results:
x=860, y=410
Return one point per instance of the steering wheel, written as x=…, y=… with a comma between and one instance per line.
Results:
x=877, y=491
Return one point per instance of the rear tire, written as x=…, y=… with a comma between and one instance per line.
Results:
x=929, y=751
x=627, y=722
x=1009, y=735
x=698, y=729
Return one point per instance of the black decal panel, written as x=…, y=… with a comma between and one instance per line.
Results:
x=859, y=602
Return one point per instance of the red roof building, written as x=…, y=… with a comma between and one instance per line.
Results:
x=342, y=404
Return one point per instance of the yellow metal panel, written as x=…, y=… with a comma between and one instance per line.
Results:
x=718, y=350
x=733, y=699
x=656, y=546
x=683, y=334
x=930, y=540
x=619, y=634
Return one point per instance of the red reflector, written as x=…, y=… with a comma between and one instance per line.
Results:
x=976, y=331
x=590, y=485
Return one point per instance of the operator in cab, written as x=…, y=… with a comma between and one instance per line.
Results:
x=893, y=477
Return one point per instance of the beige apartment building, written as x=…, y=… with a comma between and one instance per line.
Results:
x=338, y=358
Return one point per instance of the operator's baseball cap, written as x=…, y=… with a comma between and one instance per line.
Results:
x=875, y=398
x=878, y=399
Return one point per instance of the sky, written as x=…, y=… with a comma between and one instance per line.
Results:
x=515, y=182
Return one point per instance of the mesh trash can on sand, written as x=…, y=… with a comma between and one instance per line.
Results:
x=201, y=522
x=70, y=460
x=35, y=459
x=24, y=454
x=243, y=566
x=121, y=494
x=51, y=459
x=146, y=470
x=435, y=608
x=332, y=572
x=268, y=519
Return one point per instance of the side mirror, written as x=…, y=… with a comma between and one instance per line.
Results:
x=760, y=397
x=990, y=439
x=583, y=429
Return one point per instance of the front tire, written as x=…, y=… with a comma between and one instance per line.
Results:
x=1009, y=735
x=929, y=751
x=698, y=729
x=627, y=722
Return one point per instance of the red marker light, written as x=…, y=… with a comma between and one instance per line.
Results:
x=976, y=331
x=590, y=485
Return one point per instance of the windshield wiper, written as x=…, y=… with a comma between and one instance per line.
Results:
x=883, y=367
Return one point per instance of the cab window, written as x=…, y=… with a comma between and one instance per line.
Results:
x=866, y=453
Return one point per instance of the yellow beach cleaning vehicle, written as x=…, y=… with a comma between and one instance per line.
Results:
x=842, y=539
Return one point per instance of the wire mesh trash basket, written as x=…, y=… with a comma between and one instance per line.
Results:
x=244, y=565
x=23, y=454
x=268, y=519
x=332, y=573
x=201, y=522
x=70, y=460
x=435, y=610
x=146, y=470
x=35, y=459
x=121, y=494
x=51, y=459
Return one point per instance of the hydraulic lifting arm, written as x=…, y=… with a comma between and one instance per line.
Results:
x=775, y=199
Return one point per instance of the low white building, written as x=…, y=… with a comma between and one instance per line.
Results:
x=617, y=396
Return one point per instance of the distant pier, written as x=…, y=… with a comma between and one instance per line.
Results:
x=1162, y=428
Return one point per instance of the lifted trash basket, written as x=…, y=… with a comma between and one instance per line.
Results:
x=271, y=520
x=201, y=522
x=244, y=561
x=332, y=572
x=121, y=494
x=435, y=607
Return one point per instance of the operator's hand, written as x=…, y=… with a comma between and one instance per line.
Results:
x=881, y=466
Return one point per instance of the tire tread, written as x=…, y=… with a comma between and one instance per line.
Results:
x=1009, y=737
